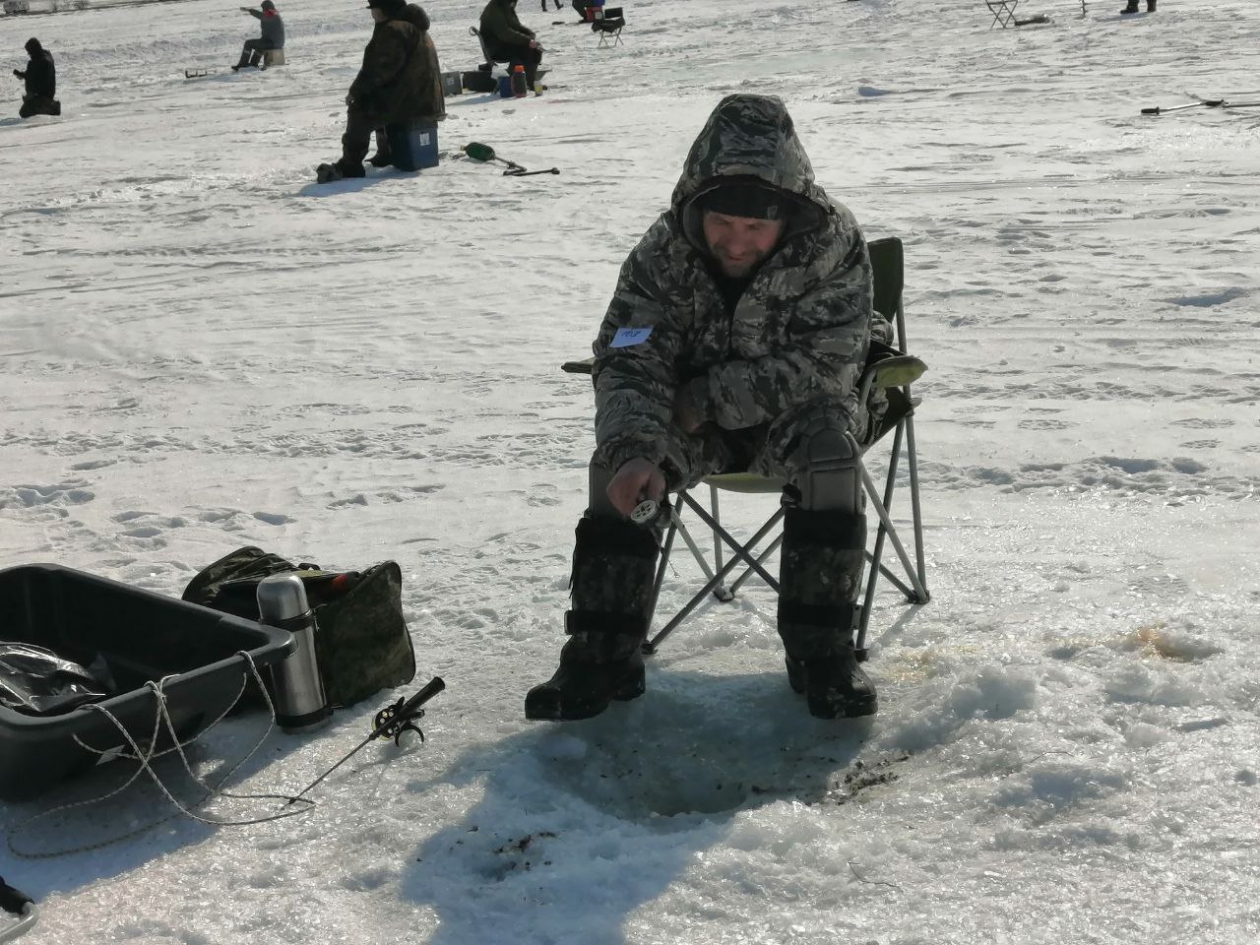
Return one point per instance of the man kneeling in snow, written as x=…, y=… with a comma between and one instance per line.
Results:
x=41, y=82
x=400, y=83
x=734, y=341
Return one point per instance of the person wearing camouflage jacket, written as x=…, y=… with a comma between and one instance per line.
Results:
x=400, y=82
x=734, y=341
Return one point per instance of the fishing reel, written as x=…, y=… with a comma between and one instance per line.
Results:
x=650, y=513
x=402, y=716
x=391, y=722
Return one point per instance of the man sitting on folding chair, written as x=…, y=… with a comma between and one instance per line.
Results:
x=734, y=341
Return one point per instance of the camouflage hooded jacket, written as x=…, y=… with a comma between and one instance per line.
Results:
x=799, y=332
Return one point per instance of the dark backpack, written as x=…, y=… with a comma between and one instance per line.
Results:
x=361, y=645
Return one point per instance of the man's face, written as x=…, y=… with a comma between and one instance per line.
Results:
x=378, y=15
x=740, y=244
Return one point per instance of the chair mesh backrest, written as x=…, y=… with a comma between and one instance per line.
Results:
x=888, y=266
x=888, y=275
x=485, y=47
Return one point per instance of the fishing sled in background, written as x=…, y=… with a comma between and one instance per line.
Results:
x=270, y=58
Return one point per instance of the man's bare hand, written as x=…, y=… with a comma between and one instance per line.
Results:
x=635, y=480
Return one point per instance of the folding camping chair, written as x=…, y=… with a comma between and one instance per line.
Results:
x=608, y=22
x=1004, y=14
x=486, y=52
x=891, y=370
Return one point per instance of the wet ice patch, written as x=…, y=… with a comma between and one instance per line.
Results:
x=1159, y=642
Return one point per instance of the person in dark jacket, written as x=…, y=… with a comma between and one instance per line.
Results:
x=272, y=35
x=399, y=83
x=507, y=39
x=416, y=16
x=41, y=82
x=734, y=341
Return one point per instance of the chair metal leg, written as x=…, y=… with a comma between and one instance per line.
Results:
x=748, y=572
x=912, y=461
x=741, y=551
x=921, y=594
x=666, y=547
x=722, y=592
x=740, y=554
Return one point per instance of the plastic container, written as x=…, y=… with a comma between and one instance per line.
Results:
x=505, y=86
x=520, y=87
x=142, y=636
x=479, y=81
x=413, y=148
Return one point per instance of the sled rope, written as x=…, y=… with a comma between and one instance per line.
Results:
x=145, y=758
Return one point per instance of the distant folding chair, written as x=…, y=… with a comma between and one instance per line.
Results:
x=889, y=369
x=608, y=22
x=1004, y=14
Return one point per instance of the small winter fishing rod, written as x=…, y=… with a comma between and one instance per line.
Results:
x=391, y=721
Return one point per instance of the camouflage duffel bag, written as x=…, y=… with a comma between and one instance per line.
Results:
x=361, y=641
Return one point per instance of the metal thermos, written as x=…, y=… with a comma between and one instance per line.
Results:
x=300, y=701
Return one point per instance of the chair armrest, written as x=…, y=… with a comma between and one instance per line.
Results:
x=578, y=367
x=897, y=371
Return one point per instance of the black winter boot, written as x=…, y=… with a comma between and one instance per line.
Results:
x=338, y=170
x=1150, y=6
x=820, y=576
x=1131, y=8
x=614, y=567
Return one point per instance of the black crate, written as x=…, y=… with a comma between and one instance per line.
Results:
x=143, y=637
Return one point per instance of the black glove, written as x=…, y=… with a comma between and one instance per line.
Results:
x=19, y=73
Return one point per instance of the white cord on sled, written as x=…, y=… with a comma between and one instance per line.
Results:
x=162, y=715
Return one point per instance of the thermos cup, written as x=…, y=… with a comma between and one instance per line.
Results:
x=299, y=690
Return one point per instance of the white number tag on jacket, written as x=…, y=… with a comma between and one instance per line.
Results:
x=626, y=337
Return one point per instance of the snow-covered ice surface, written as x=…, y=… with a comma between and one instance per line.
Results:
x=201, y=349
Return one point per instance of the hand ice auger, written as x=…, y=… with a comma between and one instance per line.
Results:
x=485, y=154
x=1201, y=103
